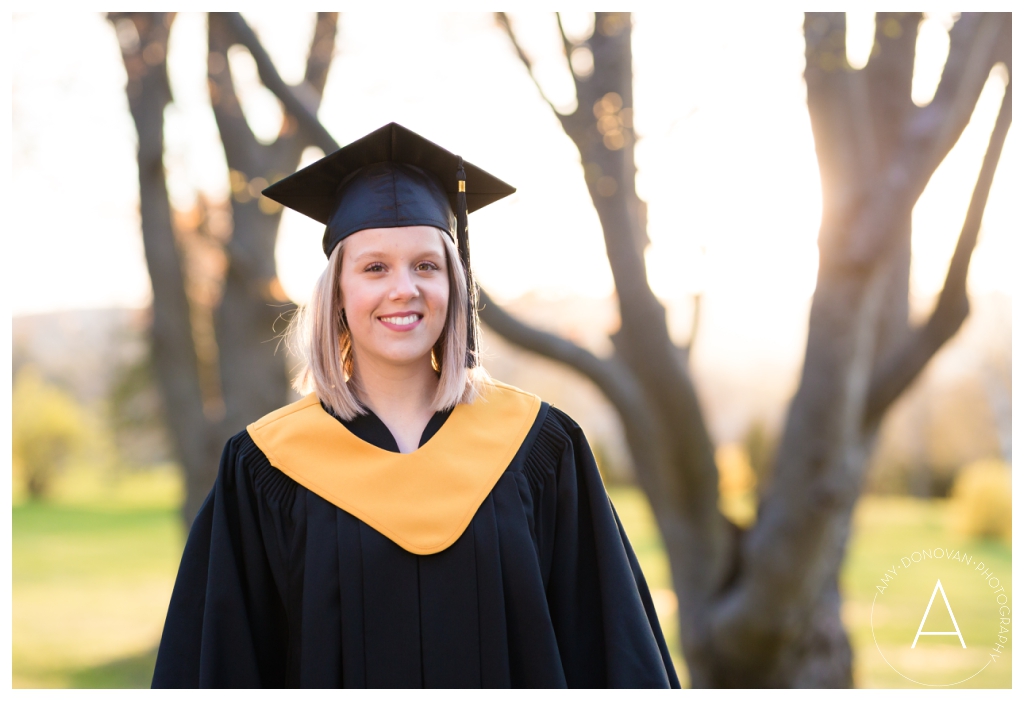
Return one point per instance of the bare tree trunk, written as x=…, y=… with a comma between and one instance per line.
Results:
x=855, y=340
x=143, y=37
x=253, y=377
x=761, y=608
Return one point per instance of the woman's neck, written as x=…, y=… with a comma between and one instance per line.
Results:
x=401, y=396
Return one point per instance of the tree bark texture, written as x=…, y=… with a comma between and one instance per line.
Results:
x=253, y=378
x=761, y=607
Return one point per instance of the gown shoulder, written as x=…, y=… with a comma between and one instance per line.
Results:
x=249, y=463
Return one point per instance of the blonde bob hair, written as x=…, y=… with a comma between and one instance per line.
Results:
x=320, y=337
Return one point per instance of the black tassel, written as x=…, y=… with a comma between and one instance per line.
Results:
x=462, y=238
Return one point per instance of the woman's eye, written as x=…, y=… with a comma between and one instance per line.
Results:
x=426, y=265
x=375, y=268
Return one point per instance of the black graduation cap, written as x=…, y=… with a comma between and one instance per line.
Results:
x=393, y=177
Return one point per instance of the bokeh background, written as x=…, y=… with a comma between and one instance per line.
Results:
x=726, y=164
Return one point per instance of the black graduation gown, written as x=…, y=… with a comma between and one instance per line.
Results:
x=280, y=588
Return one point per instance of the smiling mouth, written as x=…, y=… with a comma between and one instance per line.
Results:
x=400, y=322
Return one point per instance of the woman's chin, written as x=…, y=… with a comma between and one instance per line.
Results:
x=403, y=356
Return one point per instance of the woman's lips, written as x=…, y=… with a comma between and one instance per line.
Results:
x=401, y=322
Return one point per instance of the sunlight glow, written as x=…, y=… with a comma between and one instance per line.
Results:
x=262, y=110
x=939, y=214
x=929, y=58
x=860, y=38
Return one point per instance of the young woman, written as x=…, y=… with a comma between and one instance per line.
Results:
x=410, y=522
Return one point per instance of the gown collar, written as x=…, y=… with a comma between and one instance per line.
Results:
x=370, y=428
x=423, y=500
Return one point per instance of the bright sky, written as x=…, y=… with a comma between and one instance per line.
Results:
x=726, y=159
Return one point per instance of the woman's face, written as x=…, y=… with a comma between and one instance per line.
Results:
x=394, y=289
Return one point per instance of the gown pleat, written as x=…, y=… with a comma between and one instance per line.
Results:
x=450, y=617
x=320, y=611
x=493, y=633
x=280, y=588
x=350, y=577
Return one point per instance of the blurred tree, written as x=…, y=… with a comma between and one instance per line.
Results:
x=136, y=415
x=982, y=500
x=761, y=445
x=214, y=366
x=48, y=427
x=760, y=607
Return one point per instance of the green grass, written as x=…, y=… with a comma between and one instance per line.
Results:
x=886, y=530
x=93, y=572
x=91, y=583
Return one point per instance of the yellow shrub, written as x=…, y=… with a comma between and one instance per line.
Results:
x=48, y=426
x=982, y=499
x=736, y=485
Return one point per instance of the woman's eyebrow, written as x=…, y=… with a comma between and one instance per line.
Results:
x=370, y=254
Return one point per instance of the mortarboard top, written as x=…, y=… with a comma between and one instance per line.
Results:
x=390, y=177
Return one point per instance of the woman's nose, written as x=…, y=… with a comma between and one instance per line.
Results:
x=404, y=286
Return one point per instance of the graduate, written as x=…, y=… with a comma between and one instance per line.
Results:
x=410, y=522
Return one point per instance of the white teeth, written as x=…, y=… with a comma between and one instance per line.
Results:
x=401, y=320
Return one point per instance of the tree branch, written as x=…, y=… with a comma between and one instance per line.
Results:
x=568, y=48
x=615, y=381
x=952, y=307
x=504, y=22
x=236, y=135
x=971, y=56
x=288, y=96
x=566, y=44
x=835, y=122
x=611, y=377
x=254, y=379
x=321, y=50
x=889, y=77
x=685, y=472
x=694, y=325
x=311, y=90
x=929, y=136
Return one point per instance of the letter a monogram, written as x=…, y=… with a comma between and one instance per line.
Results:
x=956, y=628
